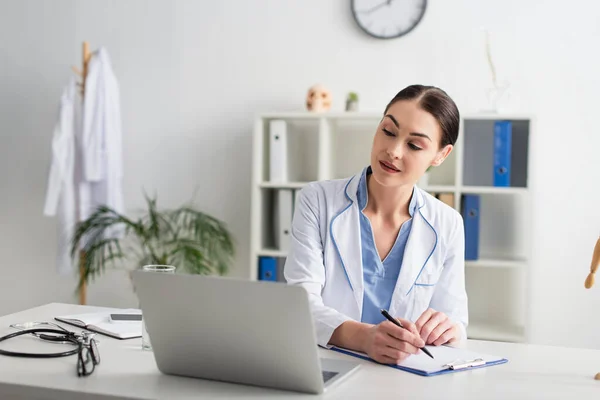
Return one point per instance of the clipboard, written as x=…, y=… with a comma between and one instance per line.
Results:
x=446, y=360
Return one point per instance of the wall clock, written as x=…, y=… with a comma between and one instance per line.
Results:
x=388, y=19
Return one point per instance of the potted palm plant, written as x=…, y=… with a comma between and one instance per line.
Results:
x=191, y=240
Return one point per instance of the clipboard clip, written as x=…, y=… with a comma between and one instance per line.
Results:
x=465, y=364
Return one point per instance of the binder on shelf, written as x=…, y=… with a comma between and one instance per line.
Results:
x=267, y=268
x=278, y=144
x=471, y=217
x=502, y=152
x=296, y=201
x=283, y=218
x=447, y=198
x=280, y=267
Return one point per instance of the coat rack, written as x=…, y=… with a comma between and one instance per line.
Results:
x=83, y=74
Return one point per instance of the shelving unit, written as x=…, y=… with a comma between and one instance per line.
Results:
x=324, y=146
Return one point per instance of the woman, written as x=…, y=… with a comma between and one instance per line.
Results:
x=376, y=241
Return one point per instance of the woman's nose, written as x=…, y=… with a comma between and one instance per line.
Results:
x=395, y=151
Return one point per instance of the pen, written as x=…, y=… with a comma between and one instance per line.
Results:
x=395, y=321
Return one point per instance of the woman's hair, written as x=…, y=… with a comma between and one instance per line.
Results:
x=437, y=103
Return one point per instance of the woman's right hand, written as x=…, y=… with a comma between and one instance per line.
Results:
x=389, y=344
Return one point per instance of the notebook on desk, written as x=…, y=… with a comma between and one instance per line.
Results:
x=446, y=360
x=100, y=322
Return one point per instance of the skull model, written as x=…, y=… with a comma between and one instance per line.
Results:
x=318, y=99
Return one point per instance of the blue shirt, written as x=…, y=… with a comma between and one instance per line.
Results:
x=379, y=276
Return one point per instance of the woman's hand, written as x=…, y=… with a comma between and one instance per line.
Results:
x=389, y=344
x=436, y=328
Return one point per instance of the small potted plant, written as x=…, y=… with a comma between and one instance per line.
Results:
x=352, y=102
x=184, y=237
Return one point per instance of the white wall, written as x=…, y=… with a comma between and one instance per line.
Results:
x=194, y=73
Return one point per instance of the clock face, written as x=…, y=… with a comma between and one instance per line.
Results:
x=387, y=19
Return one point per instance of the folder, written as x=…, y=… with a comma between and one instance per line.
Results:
x=446, y=360
x=471, y=217
x=267, y=268
x=502, y=152
x=278, y=154
x=284, y=199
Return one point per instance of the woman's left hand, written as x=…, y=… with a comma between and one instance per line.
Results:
x=436, y=328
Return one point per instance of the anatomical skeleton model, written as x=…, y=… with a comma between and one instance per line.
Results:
x=589, y=282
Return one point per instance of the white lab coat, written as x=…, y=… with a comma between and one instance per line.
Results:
x=87, y=168
x=101, y=151
x=60, y=195
x=325, y=258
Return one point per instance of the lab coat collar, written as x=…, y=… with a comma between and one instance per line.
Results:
x=345, y=232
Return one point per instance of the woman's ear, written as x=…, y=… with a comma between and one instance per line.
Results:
x=441, y=155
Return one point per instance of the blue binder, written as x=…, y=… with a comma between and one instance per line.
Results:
x=471, y=216
x=267, y=268
x=502, y=152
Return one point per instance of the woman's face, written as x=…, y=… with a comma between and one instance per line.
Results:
x=406, y=143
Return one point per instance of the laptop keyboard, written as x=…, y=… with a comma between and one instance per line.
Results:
x=327, y=375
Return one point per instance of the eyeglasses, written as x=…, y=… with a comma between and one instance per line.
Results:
x=87, y=352
x=88, y=357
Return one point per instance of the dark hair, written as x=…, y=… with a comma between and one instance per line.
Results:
x=437, y=103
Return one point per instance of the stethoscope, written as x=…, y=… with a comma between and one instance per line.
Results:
x=51, y=335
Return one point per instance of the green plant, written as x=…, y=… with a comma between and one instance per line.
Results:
x=192, y=241
x=352, y=96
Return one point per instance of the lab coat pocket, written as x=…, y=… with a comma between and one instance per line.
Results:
x=423, y=292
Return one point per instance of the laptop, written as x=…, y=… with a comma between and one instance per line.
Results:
x=249, y=332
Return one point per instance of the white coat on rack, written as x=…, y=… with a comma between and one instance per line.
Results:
x=60, y=195
x=101, y=140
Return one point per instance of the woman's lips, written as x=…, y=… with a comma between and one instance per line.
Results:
x=388, y=167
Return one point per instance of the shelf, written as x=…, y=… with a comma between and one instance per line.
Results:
x=496, y=117
x=271, y=253
x=496, y=263
x=492, y=190
x=339, y=115
x=282, y=185
x=489, y=331
x=476, y=189
x=439, y=188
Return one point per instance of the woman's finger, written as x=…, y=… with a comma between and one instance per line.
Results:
x=424, y=318
x=446, y=337
x=436, y=319
x=401, y=335
x=409, y=325
x=438, y=331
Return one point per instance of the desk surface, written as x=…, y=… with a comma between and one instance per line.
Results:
x=539, y=372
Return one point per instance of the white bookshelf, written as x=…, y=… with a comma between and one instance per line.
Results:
x=338, y=144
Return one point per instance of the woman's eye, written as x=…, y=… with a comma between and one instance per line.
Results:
x=388, y=133
x=414, y=147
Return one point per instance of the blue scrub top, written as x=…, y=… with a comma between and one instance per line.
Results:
x=379, y=276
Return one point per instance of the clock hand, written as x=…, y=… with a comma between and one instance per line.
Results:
x=378, y=6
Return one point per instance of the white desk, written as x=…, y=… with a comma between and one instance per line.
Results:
x=536, y=372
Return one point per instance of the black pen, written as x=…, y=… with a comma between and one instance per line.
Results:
x=395, y=321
